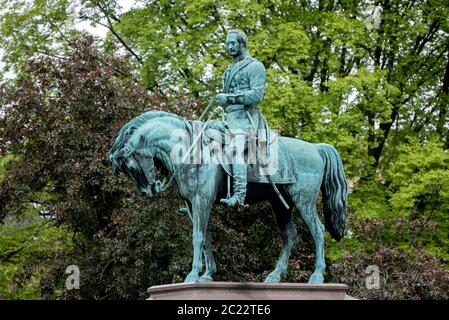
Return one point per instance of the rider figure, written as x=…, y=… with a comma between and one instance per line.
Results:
x=243, y=90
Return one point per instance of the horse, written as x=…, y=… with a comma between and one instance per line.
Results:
x=145, y=144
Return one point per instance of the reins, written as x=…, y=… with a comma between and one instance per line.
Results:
x=164, y=185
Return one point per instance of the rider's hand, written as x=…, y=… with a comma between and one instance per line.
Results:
x=222, y=99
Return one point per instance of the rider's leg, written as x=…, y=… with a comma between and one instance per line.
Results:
x=239, y=170
x=239, y=173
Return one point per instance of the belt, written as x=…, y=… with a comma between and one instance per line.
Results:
x=237, y=107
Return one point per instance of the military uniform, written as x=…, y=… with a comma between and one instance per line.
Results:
x=244, y=86
x=244, y=83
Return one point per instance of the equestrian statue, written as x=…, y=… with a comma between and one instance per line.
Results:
x=208, y=160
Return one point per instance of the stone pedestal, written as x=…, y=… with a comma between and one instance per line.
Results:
x=249, y=291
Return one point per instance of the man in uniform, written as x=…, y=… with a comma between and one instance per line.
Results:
x=243, y=90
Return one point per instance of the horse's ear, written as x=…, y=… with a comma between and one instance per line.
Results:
x=115, y=169
x=126, y=151
x=115, y=165
x=120, y=153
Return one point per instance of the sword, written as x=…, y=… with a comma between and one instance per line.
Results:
x=275, y=188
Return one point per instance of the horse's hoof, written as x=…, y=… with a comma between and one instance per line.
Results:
x=204, y=278
x=191, y=278
x=272, y=279
x=316, y=278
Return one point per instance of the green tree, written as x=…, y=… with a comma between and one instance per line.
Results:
x=60, y=119
x=56, y=128
x=27, y=243
x=378, y=92
x=31, y=28
x=418, y=188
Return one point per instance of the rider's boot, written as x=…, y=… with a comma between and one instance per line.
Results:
x=239, y=186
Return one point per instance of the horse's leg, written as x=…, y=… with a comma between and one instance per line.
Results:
x=200, y=216
x=209, y=259
x=211, y=267
x=288, y=233
x=305, y=200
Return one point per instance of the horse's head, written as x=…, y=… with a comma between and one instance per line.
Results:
x=138, y=164
x=130, y=156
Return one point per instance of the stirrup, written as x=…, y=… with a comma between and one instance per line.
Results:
x=234, y=201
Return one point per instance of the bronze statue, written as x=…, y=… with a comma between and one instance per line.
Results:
x=243, y=90
x=302, y=170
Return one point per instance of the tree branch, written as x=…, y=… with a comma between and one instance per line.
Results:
x=110, y=26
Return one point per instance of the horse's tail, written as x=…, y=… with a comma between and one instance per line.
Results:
x=334, y=189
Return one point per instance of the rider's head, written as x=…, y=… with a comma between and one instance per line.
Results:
x=237, y=42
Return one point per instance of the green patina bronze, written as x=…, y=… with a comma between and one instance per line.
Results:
x=304, y=169
x=243, y=90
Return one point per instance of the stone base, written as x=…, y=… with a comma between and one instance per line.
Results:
x=249, y=291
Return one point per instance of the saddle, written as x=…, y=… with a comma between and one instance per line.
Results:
x=276, y=164
x=280, y=173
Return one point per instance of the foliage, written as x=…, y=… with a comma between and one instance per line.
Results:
x=32, y=28
x=404, y=272
x=418, y=187
x=332, y=76
x=58, y=120
x=378, y=93
x=27, y=243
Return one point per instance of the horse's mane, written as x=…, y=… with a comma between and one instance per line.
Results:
x=129, y=128
x=127, y=131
